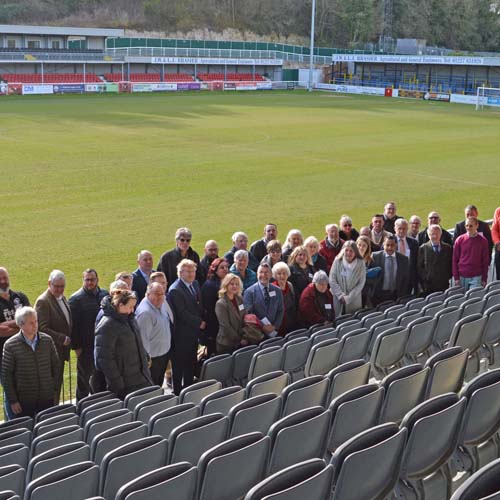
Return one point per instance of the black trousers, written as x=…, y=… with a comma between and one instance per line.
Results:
x=497, y=263
x=158, y=367
x=31, y=408
x=85, y=372
x=183, y=365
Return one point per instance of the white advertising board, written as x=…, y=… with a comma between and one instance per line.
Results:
x=29, y=89
x=350, y=89
x=217, y=60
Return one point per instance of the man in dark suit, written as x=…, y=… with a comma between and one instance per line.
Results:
x=185, y=298
x=140, y=277
x=483, y=228
x=409, y=247
x=434, y=263
x=211, y=253
x=390, y=216
x=169, y=260
x=395, y=277
x=54, y=319
x=434, y=218
x=259, y=247
x=265, y=301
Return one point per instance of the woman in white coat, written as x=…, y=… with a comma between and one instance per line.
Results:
x=347, y=279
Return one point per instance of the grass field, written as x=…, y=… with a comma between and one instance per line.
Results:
x=90, y=180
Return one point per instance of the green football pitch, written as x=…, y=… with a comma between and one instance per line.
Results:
x=88, y=181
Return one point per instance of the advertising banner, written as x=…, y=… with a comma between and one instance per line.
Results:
x=101, y=87
x=154, y=87
x=388, y=92
x=246, y=86
x=402, y=59
x=217, y=60
x=264, y=86
x=437, y=96
x=69, y=88
x=29, y=89
x=493, y=101
x=189, y=86
x=351, y=89
x=412, y=94
x=229, y=86
x=463, y=99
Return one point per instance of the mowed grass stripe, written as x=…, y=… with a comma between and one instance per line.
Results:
x=90, y=180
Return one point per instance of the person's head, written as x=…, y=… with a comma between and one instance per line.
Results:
x=415, y=223
x=281, y=272
x=90, y=279
x=390, y=209
x=345, y=224
x=274, y=250
x=26, y=319
x=270, y=232
x=312, y=245
x=294, y=238
x=390, y=244
x=240, y=240
x=300, y=256
x=123, y=301
x=183, y=238
x=471, y=225
x=332, y=232
x=401, y=228
x=57, y=283
x=218, y=269
x=471, y=211
x=155, y=293
x=320, y=280
x=364, y=247
x=186, y=270
x=365, y=231
x=378, y=222
x=211, y=249
x=433, y=218
x=264, y=274
x=349, y=251
x=4, y=280
x=434, y=232
x=125, y=276
x=159, y=277
x=241, y=260
x=118, y=285
x=232, y=284
x=145, y=261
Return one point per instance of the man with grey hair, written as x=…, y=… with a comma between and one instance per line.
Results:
x=330, y=247
x=54, y=317
x=241, y=269
x=415, y=222
x=240, y=242
x=409, y=247
x=155, y=326
x=434, y=218
x=434, y=262
x=30, y=367
x=169, y=260
x=141, y=275
x=10, y=302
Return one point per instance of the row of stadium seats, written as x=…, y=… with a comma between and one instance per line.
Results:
x=150, y=77
x=51, y=78
x=232, y=77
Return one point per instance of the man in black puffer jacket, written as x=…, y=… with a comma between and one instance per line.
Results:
x=119, y=352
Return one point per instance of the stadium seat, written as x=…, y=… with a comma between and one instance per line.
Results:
x=99, y=408
x=218, y=368
x=347, y=376
x=355, y=345
x=55, y=422
x=177, y=481
x=309, y=427
x=134, y=398
x=394, y=311
x=104, y=422
x=324, y=334
x=93, y=398
x=196, y=392
x=482, y=485
x=432, y=308
x=229, y=469
x=370, y=319
x=222, y=401
x=9, y=495
x=404, y=389
x=305, y=393
x=255, y=414
x=130, y=461
x=295, y=334
x=17, y=423
x=15, y=436
x=242, y=358
x=295, y=356
x=274, y=341
x=420, y=336
x=149, y=407
x=491, y=335
x=163, y=422
x=14, y=454
x=272, y=382
x=446, y=319
x=388, y=351
x=347, y=326
x=310, y=479
x=475, y=292
x=404, y=319
x=56, y=437
x=323, y=357
x=12, y=478
x=491, y=299
x=367, y=466
x=471, y=306
x=265, y=361
x=55, y=410
x=437, y=421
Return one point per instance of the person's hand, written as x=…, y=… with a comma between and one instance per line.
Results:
x=268, y=328
x=203, y=325
x=16, y=408
x=78, y=352
x=67, y=341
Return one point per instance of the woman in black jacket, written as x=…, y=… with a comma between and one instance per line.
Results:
x=119, y=352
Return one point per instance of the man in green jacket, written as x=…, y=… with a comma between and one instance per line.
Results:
x=30, y=366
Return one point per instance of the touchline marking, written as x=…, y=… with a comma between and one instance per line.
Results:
x=460, y=181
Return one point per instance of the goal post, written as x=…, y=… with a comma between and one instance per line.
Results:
x=487, y=96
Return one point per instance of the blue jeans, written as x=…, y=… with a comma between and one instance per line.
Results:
x=468, y=283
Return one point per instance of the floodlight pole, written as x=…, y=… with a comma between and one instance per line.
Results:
x=311, y=50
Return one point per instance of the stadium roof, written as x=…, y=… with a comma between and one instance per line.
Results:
x=10, y=29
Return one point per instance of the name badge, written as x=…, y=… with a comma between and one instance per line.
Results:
x=311, y=275
x=272, y=294
x=328, y=306
x=241, y=307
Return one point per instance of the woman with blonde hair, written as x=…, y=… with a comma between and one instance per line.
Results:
x=301, y=269
x=347, y=279
x=318, y=261
x=230, y=313
x=294, y=239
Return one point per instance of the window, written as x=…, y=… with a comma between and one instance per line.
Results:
x=56, y=44
x=33, y=44
x=11, y=43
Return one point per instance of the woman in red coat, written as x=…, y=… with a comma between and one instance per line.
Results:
x=316, y=302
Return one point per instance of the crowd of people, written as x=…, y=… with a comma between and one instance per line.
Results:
x=125, y=338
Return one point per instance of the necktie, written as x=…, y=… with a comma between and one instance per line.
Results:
x=267, y=298
x=436, y=248
x=191, y=289
x=390, y=273
x=402, y=246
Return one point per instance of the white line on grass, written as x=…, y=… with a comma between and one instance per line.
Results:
x=455, y=180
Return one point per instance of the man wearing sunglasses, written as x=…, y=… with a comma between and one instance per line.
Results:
x=169, y=260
